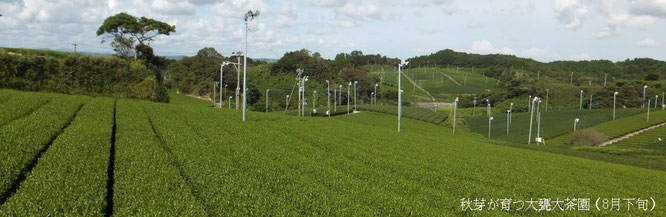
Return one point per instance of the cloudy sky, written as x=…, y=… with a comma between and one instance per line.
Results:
x=544, y=30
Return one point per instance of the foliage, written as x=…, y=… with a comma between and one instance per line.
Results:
x=71, y=177
x=25, y=138
x=80, y=74
x=196, y=75
x=17, y=104
x=147, y=183
x=201, y=161
x=126, y=29
x=357, y=58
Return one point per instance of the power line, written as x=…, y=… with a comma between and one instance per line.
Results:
x=265, y=45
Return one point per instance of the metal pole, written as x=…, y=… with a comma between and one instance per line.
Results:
x=581, y=100
x=575, y=122
x=455, y=108
x=539, y=127
x=529, y=137
x=221, y=83
x=376, y=85
x=648, y=113
x=644, y=91
x=508, y=114
x=614, y=103
x=340, y=95
x=267, y=100
x=245, y=73
x=230, y=101
x=328, y=97
x=605, y=78
x=547, y=93
x=399, y=94
x=335, y=99
x=490, y=124
x=529, y=104
x=355, y=107
x=511, y=114
x=348, y=93
x=372, y=98
x=286, y=105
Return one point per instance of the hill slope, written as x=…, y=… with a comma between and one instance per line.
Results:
x=205, y=161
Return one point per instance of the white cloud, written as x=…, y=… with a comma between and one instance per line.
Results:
x=329, y=3
x=570, y=13
x=581, y=56
x=287, y=17
x=238, y=8
x=485, y=47
x=617, y=15
x=172, y=7
x=541, y=54
x=647, y=43
x=351, y=15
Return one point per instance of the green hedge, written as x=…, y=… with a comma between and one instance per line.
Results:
x=79, y=74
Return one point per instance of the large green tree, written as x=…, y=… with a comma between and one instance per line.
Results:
x=126, y=30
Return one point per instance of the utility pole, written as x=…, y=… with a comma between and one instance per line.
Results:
x=355, y=105
x=490, y=124
x=340, y=95
x=644, y=92
x=474, y=110
x=581, y=100
x=348, y=93
x=529, y=139
x=238, y=77
x=267, y=100
x=547, y=93
x=328, y=98
x=375, y=102
x=455, y=107
x=403, y=63
x=214, y=91
x=248, y=17
x=286, y=104
x=614, y=103
x=75, y=45
x=605, y=78
x=648, y=113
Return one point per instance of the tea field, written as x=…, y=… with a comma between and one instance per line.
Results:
x=81, y=156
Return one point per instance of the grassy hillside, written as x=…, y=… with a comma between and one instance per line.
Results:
x=205, y=161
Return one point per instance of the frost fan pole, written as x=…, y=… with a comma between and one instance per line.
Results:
x=249, y=16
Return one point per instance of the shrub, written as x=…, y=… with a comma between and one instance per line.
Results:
x=588, y=137
x=80, y=74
